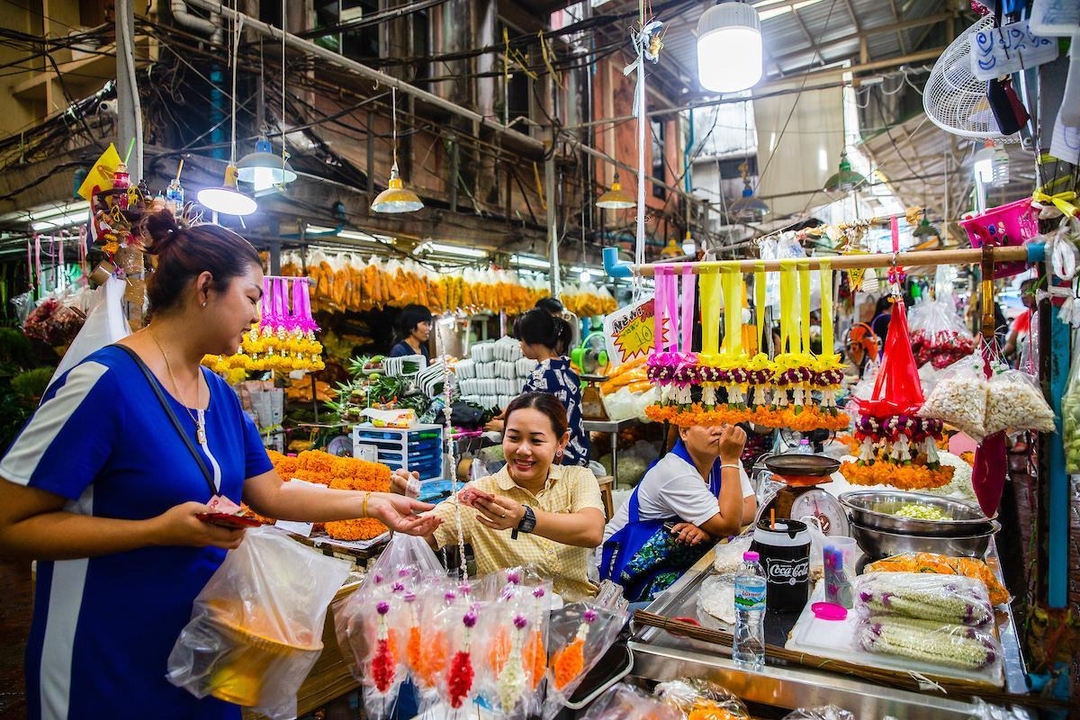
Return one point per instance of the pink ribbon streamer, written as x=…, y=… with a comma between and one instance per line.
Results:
x=689, y=284
x=664, y=279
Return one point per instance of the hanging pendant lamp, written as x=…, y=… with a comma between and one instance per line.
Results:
x=227, y=198
x=845, y=179
x=615, y=198
x=729, y=47
x=264, y=168
x=396, y=198
x=748, y=207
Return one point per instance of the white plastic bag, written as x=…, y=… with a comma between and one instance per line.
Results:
x=256, y=628
x=105, y=325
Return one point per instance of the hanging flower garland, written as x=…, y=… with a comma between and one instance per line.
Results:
x=285, y=340
x=734, y=387
x=895, y=446
x=460, y=678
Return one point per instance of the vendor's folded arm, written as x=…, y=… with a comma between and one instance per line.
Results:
x=584, y=528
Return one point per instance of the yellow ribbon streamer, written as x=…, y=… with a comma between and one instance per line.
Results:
x=732, y=311
x=759, y=304
x=826, y=276
x=804, y=300
x=1061, y=201
x=788, y=313
x=710, y=312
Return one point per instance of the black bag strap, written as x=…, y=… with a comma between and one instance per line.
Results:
x=156, y=387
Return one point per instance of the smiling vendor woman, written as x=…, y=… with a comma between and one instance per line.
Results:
x=543, y=513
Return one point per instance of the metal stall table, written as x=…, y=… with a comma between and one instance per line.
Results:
x=669, y=652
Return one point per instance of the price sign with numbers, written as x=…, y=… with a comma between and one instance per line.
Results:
x=630, y=331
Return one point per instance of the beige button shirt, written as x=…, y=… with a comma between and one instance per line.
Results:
x=570, y=488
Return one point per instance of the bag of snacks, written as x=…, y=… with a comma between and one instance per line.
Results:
x=625, y=702
x=938, y=334
x=959, y=398
x=1014, y=402
x=700, y=699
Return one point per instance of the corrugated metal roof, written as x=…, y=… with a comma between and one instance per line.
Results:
x=798, y=35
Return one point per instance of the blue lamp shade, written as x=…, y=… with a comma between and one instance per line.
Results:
x=264, y=168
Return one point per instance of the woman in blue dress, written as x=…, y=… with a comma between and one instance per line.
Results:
x=103, y=492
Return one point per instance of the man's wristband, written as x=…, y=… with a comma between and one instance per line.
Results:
x=737, y=466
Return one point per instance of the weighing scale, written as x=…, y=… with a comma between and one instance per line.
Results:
x=798, y=495
x=590, y=357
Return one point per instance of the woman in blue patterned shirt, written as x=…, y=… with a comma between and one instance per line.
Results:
x=545, y=338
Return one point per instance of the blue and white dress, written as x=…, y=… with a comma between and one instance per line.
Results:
x=103, y=627
x=554, y=376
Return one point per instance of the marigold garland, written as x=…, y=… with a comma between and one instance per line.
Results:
x=569, y=662
x=343, y=283
x=432, y=660
x=499, y=651
x=535, y=658
x=802, y=419
x=905, y=477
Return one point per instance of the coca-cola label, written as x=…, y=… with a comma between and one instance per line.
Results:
x=790, y=572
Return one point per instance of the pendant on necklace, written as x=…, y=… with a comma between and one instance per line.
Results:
x=200, y=432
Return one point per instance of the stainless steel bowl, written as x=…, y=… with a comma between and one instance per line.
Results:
x=875, y=508
x=879, y=544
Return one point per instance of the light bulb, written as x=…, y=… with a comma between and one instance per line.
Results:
x=264, y=178
x=689, y=247
x=729, y=47
x=585, y=276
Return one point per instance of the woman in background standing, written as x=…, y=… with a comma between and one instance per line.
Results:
x=545, y=338
x=414, y=329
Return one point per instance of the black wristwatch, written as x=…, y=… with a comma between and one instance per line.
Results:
x=527, y=524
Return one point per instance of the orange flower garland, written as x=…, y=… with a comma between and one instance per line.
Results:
x=535, y=659
x=569, y=662
x=803, y=419
x=905, y=477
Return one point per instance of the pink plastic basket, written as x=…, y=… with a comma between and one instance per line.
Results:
x=1010, y=224
x=1006, y=225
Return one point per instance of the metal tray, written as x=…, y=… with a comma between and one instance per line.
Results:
x=802, y=465
x=874, y=509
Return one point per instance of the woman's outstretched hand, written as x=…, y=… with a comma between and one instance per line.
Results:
x=398, y=513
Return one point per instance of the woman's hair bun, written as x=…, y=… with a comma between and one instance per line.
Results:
x=159, y=229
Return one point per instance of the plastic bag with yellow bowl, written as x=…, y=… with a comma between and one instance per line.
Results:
x=256, y=628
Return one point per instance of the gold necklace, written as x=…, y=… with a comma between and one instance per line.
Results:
x=200, y=425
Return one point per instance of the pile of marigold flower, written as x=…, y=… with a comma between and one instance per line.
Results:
x=338, y=473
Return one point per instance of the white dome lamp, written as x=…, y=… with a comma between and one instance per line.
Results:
x=729, y=47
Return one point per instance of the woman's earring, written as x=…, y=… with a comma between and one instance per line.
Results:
x=204, y=303
x=558, y=454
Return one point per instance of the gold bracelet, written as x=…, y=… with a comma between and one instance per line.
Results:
x=363, y=509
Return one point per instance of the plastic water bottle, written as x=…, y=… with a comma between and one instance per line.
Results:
x=174, y=197
x=748, y=646
x=804, y=447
